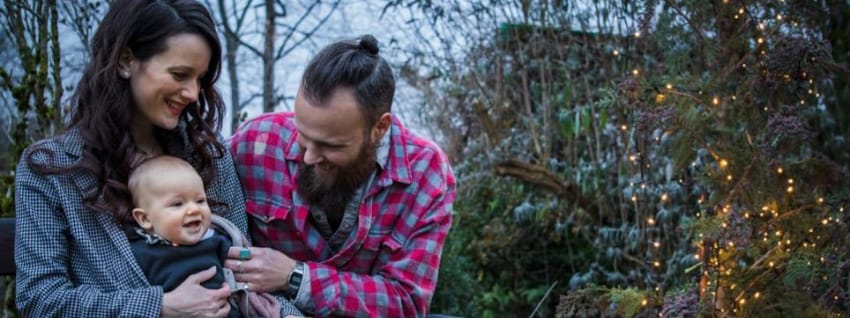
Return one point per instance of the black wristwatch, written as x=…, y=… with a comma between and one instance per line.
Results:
x=295, y=279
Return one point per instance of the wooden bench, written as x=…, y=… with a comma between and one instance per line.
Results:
x=7, y=246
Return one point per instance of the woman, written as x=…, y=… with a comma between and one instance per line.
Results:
x=148, y=90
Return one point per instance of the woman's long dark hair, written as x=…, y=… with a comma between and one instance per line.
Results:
x=103, y=101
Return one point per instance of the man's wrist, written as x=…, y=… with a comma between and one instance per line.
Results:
x=293, y=282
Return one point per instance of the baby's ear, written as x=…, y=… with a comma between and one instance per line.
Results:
x=141, y=218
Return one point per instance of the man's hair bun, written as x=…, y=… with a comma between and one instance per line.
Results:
x=369, y=44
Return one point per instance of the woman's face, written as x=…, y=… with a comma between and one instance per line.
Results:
x=166, y=83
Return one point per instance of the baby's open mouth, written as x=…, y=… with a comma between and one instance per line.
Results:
x=193, y=224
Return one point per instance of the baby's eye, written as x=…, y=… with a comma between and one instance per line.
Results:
x=201, y=201
x=176, y=203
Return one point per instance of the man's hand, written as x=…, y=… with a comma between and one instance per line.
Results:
x=190, y=299
x=265, y=270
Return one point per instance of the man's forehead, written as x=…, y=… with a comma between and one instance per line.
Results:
x=338, y=118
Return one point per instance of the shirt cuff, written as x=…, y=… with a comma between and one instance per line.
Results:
x=302, y=299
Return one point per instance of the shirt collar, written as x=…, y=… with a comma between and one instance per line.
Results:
x=382, y=154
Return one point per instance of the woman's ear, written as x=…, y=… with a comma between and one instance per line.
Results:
x=125, y=63
x=142, y=219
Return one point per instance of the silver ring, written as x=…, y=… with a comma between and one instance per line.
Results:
x=238, y=266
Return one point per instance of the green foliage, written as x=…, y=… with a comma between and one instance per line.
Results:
x=704, y=154
x=628, y=300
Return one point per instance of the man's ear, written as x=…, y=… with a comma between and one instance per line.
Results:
x=126, y=62
x=142, y=219
x=381, y=127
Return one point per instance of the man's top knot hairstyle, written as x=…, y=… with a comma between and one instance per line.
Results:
x=356, y=65
x=369, y=43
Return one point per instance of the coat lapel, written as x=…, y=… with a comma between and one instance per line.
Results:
x=86, y=183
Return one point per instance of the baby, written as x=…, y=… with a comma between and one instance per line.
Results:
x=174, y=239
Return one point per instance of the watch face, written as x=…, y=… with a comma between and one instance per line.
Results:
x=295, y=278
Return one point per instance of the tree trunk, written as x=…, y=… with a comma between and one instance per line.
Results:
x=58, y=89
x=269, y=59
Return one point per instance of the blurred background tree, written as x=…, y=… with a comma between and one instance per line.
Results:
x=637, y=158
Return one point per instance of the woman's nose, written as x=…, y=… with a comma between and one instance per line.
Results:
x=191, y=91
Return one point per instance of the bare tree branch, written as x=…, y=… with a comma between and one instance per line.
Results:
x=545, y=178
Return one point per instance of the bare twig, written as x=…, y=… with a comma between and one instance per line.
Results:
x=542, y=299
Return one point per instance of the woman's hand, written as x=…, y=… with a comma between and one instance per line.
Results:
x=264, y=270
x=190, y=299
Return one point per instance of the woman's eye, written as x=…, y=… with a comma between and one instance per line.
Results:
x=179, y=76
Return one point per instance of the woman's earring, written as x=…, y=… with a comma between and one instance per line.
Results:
x=125, y=74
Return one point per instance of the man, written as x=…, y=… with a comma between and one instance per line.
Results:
x=353, y=206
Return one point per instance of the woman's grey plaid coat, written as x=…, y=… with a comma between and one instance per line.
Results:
x=74, y=262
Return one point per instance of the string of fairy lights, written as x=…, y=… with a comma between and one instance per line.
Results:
x=715, y=255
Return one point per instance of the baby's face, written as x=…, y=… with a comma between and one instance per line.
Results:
x=176, y=206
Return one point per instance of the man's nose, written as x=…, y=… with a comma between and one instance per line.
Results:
x=311, y=156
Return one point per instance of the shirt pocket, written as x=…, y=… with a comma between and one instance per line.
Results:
x=378, y=250
x=268, y=224
x=268, y=212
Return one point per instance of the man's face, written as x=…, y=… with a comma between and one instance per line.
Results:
x=337, y=146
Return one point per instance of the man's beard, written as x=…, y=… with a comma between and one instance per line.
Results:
x=332, y=198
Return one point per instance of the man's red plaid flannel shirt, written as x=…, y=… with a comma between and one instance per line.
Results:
x=389, y=267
